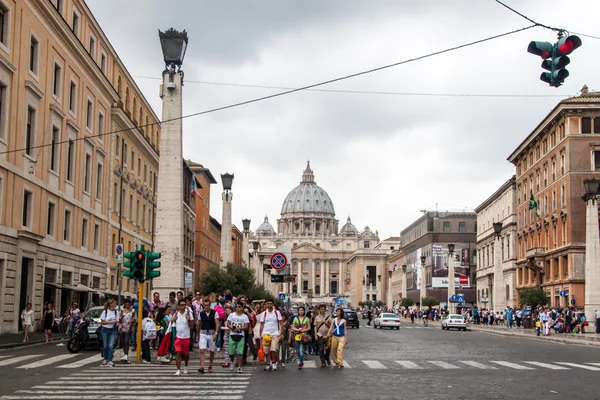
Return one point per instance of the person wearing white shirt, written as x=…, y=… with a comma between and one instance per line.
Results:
x=183, y=320
x=271, y=324
x=26, y=321
x=110, y=322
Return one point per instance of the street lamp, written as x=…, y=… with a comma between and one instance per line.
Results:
x=246, y=225
x=451, y=288
x=423, y=292
x=404, y=285
x=226, y=225
x=261, y=259
x=498, y=295
x=592, y=248
x=227, y=180
x=174, y=45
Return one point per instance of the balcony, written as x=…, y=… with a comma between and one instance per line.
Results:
x=535, y=252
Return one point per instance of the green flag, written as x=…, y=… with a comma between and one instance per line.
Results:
x=533, y=205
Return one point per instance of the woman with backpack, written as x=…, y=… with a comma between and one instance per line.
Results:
x=110, y=323
x=148, y=334
x=301, y=325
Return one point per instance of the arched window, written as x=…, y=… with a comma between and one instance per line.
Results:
x=119, y=89
x=133, y=109
x=318, y=267
x=305, y=266
x=141, y=120
x=317, y=289
x=127, y=99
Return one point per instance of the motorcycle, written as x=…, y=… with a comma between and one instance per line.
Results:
x=81, y=339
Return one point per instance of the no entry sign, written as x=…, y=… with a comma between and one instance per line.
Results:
x=278, y=261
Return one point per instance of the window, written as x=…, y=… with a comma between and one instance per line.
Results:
x=84, y=232
x=92, y=47
x=75, y=24
x=562, y=164
x=34, y=54
x=100, y=125
x=366, y=244
x=597, y=125
x=305, y=266
x=563, y=195
x=553, y=139
x=597, y=161
x=96, y=237
x=4, y=18
x=132, y=161
x=30, y=132
x=103, y=63
x=139, y=167
x=67, y=228
x=586, y=125
x=86, y=173
x=123, y=194
x=144, y=216
x=137, y=212
x=99, y=179
x=3, y=102
x=70, y=158
x=27, y=208
x=88, y=115
x=131, y=207
x=51, y=218
x=145, y=172
x=56, y=83
x=461, y=226
x=115, y=196
x=475, y=226
x=446, y=226
x=73, y=97
x=125, y=153
x=554, y=199
x=59, y=6
x=553, y=170
x=118, y=147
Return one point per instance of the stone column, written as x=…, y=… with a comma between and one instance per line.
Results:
x=226, y=243
x=311, y=276
x=299, y=276
x=404, y=294
x=326, y=276
x=592, y=258
x=451, y=288
x=498, y=296
x=246, y=248
x=169, y=231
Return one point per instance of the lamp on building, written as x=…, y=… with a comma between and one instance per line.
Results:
x=255, y=245
x=451, y=288
x=498, y=296
x=174, y=45
x=497, y=228
x=379, y=278
x=404, y=268
x=451, y=248
x=592, y=248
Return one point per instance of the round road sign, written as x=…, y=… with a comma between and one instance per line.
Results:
x=278, y=261
x=119, y=249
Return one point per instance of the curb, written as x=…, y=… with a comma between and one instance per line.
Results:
x=5, y=346
x=592, y=341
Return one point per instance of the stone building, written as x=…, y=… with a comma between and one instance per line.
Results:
x=499, y=207
x=551, y=165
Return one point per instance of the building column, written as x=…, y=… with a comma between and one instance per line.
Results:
x=311, y=276
x=299, y=276
x=592, y=258
x=322, y=280
x=451, y=288
x=498, y=297
x=326, y=273
x=226, y=242
x=342, y=272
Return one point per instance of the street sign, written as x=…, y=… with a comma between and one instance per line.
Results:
x=278, y=261
x=187, y=279
x=457, y=298
x=563, y=293
x=463, y=280
x=289, y=278
x=119, y=253
x=484, y=300
x=277, y=278
x=282, y=296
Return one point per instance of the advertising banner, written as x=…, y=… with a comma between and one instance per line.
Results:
x=340, y=303
x=443, y=282
x=461, y=260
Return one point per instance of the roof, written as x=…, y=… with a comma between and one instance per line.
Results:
x=216, y=223
x=194, y=166
x=511, y=182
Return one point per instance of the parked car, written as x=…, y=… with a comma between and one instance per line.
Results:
x=387, y=320
x=454, y=321
x=351, y=318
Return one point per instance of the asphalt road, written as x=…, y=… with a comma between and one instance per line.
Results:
x=412, y=363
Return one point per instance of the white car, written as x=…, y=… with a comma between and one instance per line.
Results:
x=387, y=320
x=454, y=321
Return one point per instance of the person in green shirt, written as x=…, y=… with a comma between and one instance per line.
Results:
x=300, y=325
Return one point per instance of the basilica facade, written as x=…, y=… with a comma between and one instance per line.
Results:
x=321, y=251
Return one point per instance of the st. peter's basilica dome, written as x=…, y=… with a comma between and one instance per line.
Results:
x=307, y=198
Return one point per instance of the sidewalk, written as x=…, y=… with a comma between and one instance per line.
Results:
x=12, y=340
x=589, y=337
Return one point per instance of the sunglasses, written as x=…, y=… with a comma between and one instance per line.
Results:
x=197, y=294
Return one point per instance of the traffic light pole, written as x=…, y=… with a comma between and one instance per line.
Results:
x=138, y=347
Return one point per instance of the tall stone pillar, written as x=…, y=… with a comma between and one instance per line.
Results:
x=322, y=278
x=404, y=294
x=169, y=230
x=498, y=296
x=226, y=225
x=592, y=258
x=451, y=288
x=246, y=242
x=326, y=276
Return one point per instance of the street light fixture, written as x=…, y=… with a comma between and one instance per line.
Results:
x=497, y=228
x=592, y=189
x=451, y=248
x=246, y=225
x=451, y=287
x=227, y=180
x=423, y=259
x=255, y=246
x=174, y=45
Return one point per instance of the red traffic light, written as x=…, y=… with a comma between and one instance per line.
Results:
x=565, y=46
x=542, y=49
x=139, y=255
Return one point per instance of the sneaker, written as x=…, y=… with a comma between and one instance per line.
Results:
x=146, y=362
x=201, y=370
x=124, y=358
x=111, y=364
x=185, y=371
x=178, y=373
x=239, y=370
x=268, y=368
x=165, y=360
x=274, y=368
x=282, y=365
x=159, y=358
x=104, y=363
x=328, y=361
x=300, y=365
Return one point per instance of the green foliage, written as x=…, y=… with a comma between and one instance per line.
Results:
x=379, y=303
x=533, y=297
x=236, y=278
x=406, y=302
x=429, y=301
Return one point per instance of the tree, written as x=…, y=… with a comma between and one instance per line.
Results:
x=379, y=303
x=234, y=277
x=406, y=302
x=429, y=302
x=533, y=297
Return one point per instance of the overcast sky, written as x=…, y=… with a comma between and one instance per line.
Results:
x=381, y=157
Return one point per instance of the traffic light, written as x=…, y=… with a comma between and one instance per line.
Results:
x=555, y=58
x=128, y=264
x=139, y=261
x=152, y=266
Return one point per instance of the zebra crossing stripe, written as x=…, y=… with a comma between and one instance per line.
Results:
x=85, y=361
x=544, y=365
x=597, y=364
x=588, y=367
x=346, y=365
x=511, y=365
x=310, y=364
x=15, y=360
x=477, y=365
x=443, y=364
x=374, y=364
x=47, y=361
x=172, y=391
x=409, y=365
x=190, y=395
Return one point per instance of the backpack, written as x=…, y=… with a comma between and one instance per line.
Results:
x=149, y=329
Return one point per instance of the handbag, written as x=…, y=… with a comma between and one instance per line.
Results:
x=306, y=339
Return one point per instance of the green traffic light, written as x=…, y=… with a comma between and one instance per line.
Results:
x=128, y=264
x=152, y=266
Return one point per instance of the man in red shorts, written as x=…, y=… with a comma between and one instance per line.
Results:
x=183, y=321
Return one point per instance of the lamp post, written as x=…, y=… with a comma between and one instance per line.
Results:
x=246, y=242
x=498, y=297
x=451, y=288
x=169, y=227
x=261, y=259
x=423, y=292
x=592, y=248
x=226, y=242
x=404, y=294
x=389, y=291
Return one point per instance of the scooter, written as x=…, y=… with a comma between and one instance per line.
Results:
x=81, y=339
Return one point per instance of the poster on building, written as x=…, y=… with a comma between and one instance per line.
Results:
x=187, y=280
x=340, y=302
x=413, y=270
x=461, y=261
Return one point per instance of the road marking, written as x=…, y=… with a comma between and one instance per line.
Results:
x=598, y=364
x=545, y=365
x=172, y=391
x=409, y=365
x=155, y=379
x=477, y=365
x=47, y=361
x=310, y=364
x=444, y=364
x=346, y=365
x=85, y=361
x=511, y=365
x=190, y=395
x=374, y=364
x=134, y=386
x=588, y=367
x=15, y=360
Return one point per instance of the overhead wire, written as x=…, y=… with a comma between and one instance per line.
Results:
x=290, y=91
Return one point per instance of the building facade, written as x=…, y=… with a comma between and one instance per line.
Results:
x=551, y=165
x=499, y=207
x=429, y=237
x=237, y=244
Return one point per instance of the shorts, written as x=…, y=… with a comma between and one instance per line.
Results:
x=236, y=347
x=182, y=346
x=206, y=342
x=274, y=346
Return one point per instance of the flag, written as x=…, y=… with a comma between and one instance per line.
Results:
x=533, y=205
x=193, y=186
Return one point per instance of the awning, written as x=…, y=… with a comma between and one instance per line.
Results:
x=82, y=288
x=53, y=284
x=126, y=294
x=111, y=292
x=68, y=287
